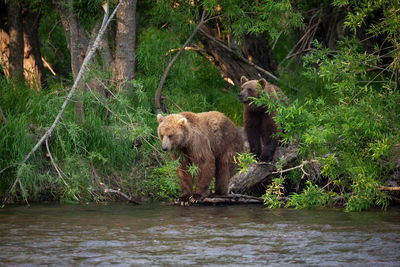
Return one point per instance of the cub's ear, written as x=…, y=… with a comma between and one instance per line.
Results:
x=182, y=122
x=160, y=118
x=243, y=79
x=262, y=82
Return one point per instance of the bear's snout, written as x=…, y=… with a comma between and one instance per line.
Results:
x=242, y=97
x=166, y=144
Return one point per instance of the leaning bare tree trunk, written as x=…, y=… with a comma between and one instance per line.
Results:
x=124, y=64
x=16, y=56
x=33, y=64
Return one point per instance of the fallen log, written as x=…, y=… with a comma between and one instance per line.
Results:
x=228, y=200
x=263, y=173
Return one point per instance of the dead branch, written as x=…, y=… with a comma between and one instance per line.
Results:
x=305, y=41
x=47, y=65
x=157, y=98
x=390, y=188
x=118, y=192
x=301, y=166
x=106, y=20
x=193, y=48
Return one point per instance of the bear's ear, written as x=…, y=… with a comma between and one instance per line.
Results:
x=160, y=118
x=262, y=82
x=243, y=79
x=182, y=122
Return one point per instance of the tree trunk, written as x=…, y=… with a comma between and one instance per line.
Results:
x=16, y=54
x=33, y=64
x=259, y=175
x=4, y=51
x=124, y=62
x=77, y=42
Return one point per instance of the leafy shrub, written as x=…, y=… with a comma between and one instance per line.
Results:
x=350, y=124
x=273, y=194
x=311, y=196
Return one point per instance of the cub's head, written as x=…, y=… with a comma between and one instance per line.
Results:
x=171, y=131
x=250, y=88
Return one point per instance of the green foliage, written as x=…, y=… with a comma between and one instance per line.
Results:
x=244, y=160
x=274, y=193
x=236, y=17
x=352, y=124
x=379, y=18
x=163, y=184
x=366, y=193
x=312, y=196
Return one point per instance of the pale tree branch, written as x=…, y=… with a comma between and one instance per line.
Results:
x=118, y=192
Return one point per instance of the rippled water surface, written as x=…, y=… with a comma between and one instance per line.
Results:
x=157, y=235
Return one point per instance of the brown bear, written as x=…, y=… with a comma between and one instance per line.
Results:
x=259, y=124
x=208, y=140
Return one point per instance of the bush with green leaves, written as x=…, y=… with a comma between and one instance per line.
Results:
x=274, y=193
x=350, y=123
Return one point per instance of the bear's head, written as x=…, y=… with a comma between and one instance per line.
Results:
x=250, y=88
x=171, y=131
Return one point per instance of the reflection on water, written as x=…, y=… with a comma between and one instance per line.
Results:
x=152, y=235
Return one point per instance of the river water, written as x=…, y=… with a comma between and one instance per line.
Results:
x=158, y=235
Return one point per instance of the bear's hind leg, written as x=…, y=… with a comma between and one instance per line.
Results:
x=204, y=176
x=224, y=170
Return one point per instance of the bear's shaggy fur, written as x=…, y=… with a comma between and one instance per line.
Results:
x=259, y=124
x=208, y=140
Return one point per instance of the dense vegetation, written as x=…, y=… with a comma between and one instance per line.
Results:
x=343, y=112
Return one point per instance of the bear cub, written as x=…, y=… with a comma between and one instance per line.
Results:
x=259, y=123
x=209, y=140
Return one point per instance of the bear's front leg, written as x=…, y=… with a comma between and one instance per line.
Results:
x=253, y=131
x=204, y=176
x=269, y=141
x=186, y=183
x=269, y=148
